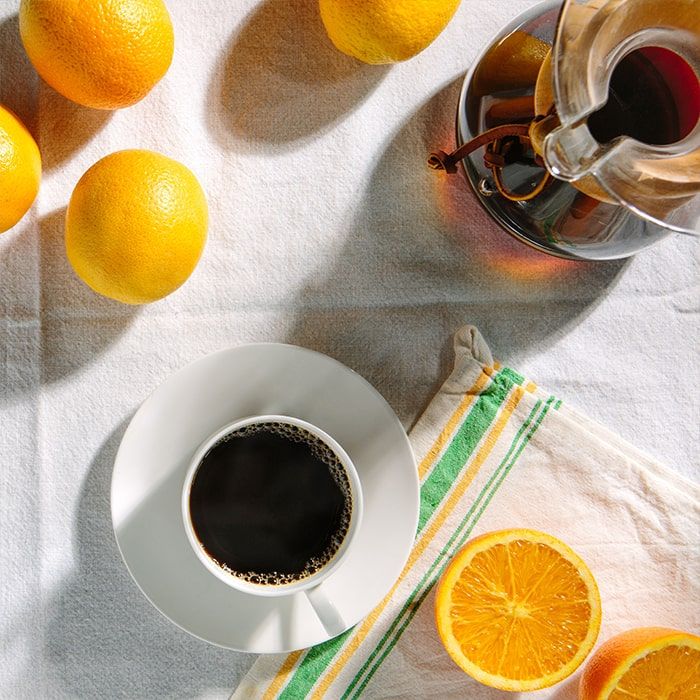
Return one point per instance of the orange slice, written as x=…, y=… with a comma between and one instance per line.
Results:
x=647, y=663
x=518, y=610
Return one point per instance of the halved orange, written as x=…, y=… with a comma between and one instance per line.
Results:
x=647, y=663
x=518, y=610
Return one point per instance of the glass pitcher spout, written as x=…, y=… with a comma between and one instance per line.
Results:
x=625, y=83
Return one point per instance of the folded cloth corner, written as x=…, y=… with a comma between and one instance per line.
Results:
x=495, y=451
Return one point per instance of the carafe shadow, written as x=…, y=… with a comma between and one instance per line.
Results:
x=423, y=259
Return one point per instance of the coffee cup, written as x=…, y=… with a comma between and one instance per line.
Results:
x=271, y=506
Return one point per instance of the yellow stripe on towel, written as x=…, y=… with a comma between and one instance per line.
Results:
x=361, y=632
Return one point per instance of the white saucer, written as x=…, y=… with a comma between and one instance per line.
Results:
x=150, y=467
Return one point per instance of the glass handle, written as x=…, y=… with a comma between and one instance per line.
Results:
x=571, y=153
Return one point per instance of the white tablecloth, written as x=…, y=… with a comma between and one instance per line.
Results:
x=327, y=230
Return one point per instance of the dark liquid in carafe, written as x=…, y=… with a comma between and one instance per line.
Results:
x=270, y=503
x=653, y=97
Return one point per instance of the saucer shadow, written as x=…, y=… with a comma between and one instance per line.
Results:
x=103, y=637
x=281, y=79
x=423, y=259
x=74, y=325
x=65, y=125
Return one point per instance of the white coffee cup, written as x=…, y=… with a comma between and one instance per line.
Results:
x=311, y=586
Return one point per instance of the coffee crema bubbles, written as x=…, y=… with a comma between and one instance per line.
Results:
x=271, y=503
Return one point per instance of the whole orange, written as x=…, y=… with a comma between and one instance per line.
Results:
x=105, y=54
x=385, y=31
x=136, y=226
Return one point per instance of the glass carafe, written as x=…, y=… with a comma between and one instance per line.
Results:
x=604, y=159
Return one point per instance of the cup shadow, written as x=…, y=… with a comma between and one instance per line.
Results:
x=280, y=78
x=424, y=259
x=65, y=126
x=103, y=638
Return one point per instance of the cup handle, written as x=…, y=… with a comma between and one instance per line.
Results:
x=326, y=611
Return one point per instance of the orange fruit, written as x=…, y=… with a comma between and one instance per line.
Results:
x=518, y=610
x=104, y=54
x=20, y=169
x=647, y=663
x=136, y=226
x=385, y=31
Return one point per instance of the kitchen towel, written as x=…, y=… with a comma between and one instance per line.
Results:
x=495, y=451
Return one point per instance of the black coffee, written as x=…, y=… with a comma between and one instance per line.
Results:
x=653, y=97
x=270, y=503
